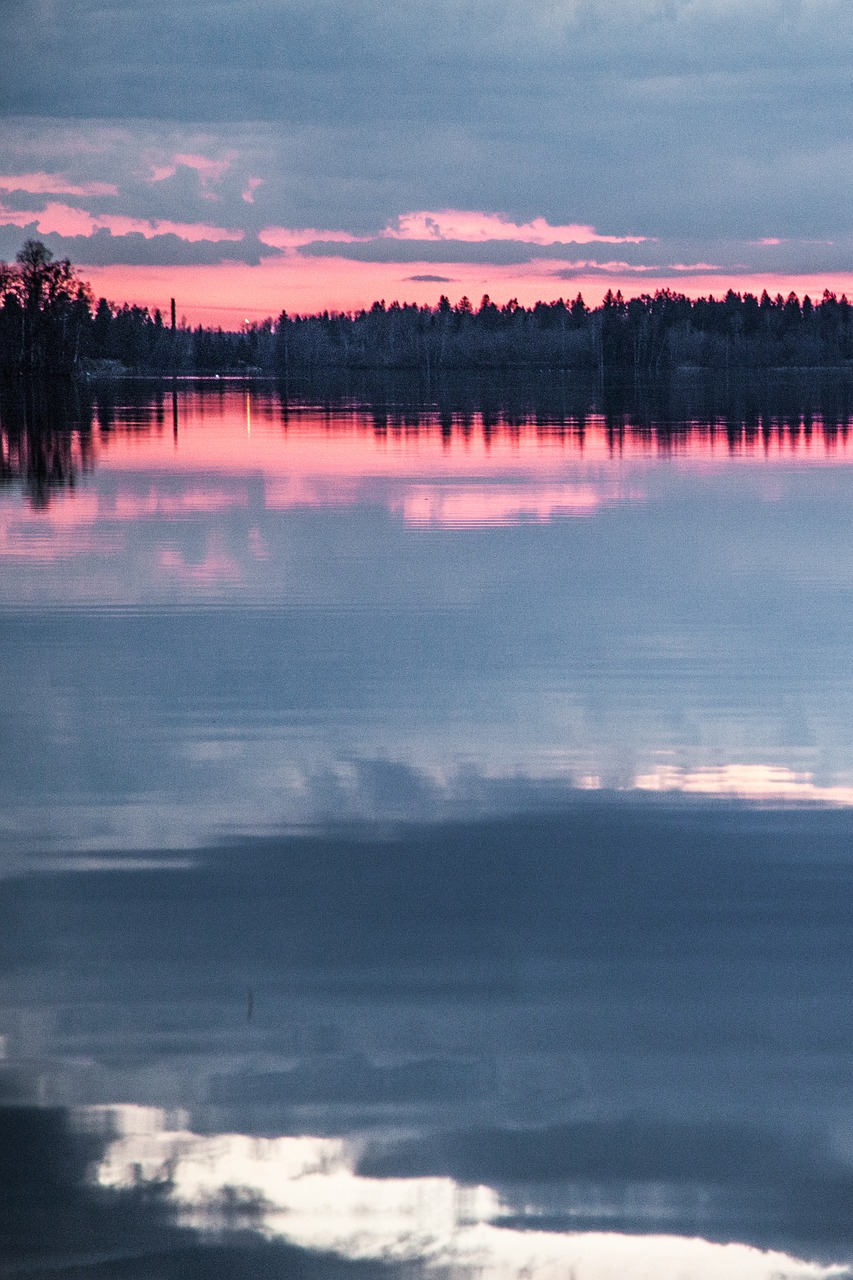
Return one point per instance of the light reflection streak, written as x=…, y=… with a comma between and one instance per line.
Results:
x=304, y=1190
x=272, y=789
x=746, y=782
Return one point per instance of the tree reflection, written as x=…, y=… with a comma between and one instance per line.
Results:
x=45, y=438
x=51, y=433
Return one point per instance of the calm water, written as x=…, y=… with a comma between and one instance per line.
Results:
x=427, y=834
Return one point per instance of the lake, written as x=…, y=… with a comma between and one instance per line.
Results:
x=427, y=830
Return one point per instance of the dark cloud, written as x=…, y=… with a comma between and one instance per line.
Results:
x=488, y=252
x=24, y=201
x=669, y=258
x=729, y=118
x=596, y=269
x=102, y=248
x=673, y=259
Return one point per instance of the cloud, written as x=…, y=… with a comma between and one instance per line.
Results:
x=470, y=225
x=550, y=115
x=586, y=267
x=449, y=235
x=428, y=279
x=102, y=248
x=486, y=252
x=368, y=191
x=297, y=237
x=67, y=221
x=55, y=184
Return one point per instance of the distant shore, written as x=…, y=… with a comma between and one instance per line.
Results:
x=50, y=324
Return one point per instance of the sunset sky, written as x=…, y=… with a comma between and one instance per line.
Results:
x=304, y=154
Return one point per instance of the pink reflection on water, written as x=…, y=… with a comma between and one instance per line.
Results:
x=216, y=566
x=471, y=507
x=78, y=524
x=347, y=443
x=461, y=471
x=168, y=504
x=63, y=530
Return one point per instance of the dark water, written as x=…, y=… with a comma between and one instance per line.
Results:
x=426, y=832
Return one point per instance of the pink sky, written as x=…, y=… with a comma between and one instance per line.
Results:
x=584, y=259
x=230, y=293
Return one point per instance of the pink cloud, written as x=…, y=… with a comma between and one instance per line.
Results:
x=451, y=224
x=250, y=189
x=613, y=266
x=210, y=172
x=695, y=266
x=65, y=220
x=293, y=237
x=473, y=226
x=54, y=184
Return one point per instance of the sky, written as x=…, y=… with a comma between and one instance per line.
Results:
x=304, y=154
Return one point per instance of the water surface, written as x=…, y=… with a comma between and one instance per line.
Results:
x=426, y=830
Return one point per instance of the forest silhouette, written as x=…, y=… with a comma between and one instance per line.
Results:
x=51, y=325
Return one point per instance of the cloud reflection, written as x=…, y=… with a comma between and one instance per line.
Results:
x=122, y=1188
x=307, y=1192
x=747, y=781
x=58, y=1217
x=468, y=506
x=609, y=1033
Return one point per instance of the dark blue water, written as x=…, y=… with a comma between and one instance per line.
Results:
x=426, y=838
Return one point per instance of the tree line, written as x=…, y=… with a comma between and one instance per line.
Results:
x=51, y=324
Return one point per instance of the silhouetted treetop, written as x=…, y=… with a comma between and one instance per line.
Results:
x=45, y=312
